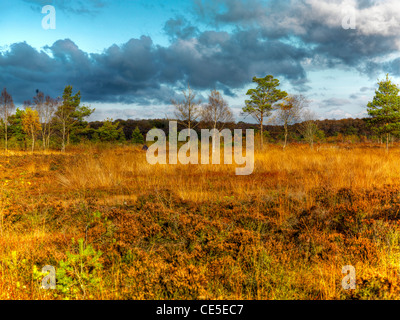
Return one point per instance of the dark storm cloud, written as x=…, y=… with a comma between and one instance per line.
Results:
x=230, y=59
x=180, y=28
x=23, y=70
x=393, y=67
x=141, y=72
x=119, y=74
x=317, y=25
x=283, y=38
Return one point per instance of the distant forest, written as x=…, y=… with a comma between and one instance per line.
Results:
x=344, y=130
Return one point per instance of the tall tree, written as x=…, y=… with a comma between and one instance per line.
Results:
x=187, y=110
x=262, y=100
x=31, y=124
x=384, y=109
x=6, y=109
x=17, y=129
x=289, y=112
x=65, y=111
x=217, y=112
x=69, y=113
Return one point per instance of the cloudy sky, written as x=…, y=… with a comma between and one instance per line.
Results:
x=130, y=58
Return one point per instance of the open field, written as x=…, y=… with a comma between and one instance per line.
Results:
x=115, y=227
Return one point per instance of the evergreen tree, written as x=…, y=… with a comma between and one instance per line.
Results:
x=384, y=110
x=110, y=132
x=70, y=114
x=262, y=100
x=17, y=129
x=137, y=137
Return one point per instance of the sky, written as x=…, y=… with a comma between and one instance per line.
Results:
x=129, y=58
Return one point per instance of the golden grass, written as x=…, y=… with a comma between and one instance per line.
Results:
x=298, y=170
x=200, y=231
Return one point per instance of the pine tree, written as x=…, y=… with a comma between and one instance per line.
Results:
x=384, y=110
x=137, y=136
x=109, y=132
x=17, y=129
x=262, y=100
x=70, y=113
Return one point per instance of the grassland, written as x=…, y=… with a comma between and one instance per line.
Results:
x=115, y=227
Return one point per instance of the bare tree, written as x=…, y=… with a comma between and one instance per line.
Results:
x=48, y=112
x=50, y=108
x=308, y=128
x=187, y=110
x=217, y=113
x=6, y=108
x=46, y=108
x=38, y=105
x=289, y=112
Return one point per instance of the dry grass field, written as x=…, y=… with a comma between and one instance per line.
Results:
x=115, y=227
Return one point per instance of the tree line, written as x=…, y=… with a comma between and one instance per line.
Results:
x=58, y=122
x=43, y=117
x=288, y=116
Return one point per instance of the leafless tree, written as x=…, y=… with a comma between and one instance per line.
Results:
x=187, y=110
x=217, y=113
x=50, y=107
x=289, y=112
x=38, y=105
x=46, y=108
x=6, y=109
x=309, y=127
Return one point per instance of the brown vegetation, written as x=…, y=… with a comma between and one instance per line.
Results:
x=115, y=227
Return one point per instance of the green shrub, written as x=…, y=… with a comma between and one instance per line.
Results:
x=79, y=275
